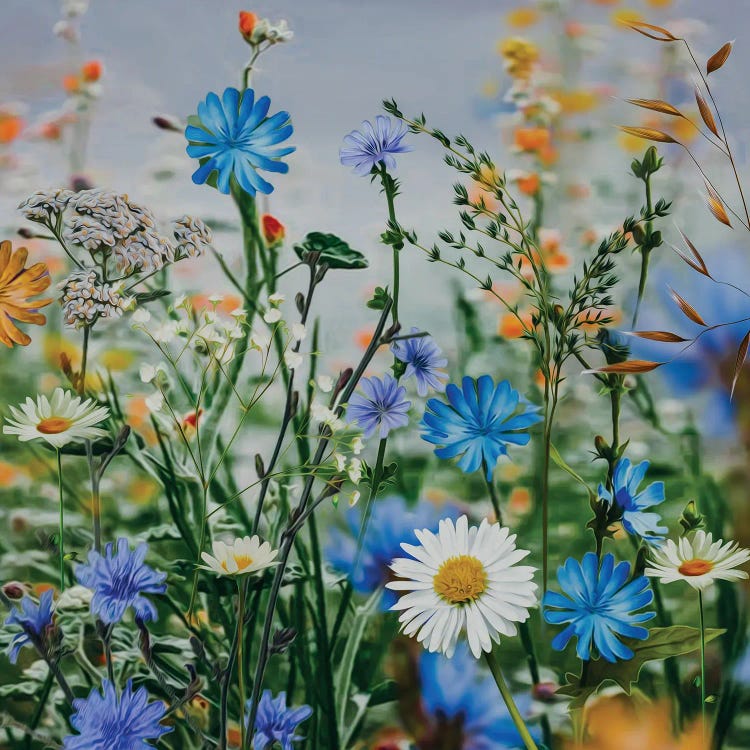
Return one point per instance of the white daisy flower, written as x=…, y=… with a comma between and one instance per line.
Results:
x=698, y=561
x=463, y=580
x=60, y=420
x=244, y=555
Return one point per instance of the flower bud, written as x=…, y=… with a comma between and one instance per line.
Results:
x=165, y=122
x=247, y=23
x=91, y=71
x=544, y=691
x=14, y=590
x=273, y=230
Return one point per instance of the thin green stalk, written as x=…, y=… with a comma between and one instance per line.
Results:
x=241, y=657
x=515, y=714
x=703, y=665
x=62, y=520
x=494, y=499
x=39, y=711
x=389, y=188
x=645, y=255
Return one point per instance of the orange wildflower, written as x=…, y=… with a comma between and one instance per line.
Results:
x=17, y=284
x=10, y=127
x=519, y=501
x=529, y=184
x=363, y=337
x=229, y=303
x=91, y=71
x=247, y=23
x=8, y=473
x=510, y=327
x=71, y=84
x=532, y=139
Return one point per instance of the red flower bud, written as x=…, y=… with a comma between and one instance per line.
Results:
x=14, y=590
x=273, y=230
x=91, y=71
x=247, y=23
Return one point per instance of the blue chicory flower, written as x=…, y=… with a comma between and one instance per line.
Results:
x=635, y=519
x=105, y=721
x=599, y=605
x=119, y=581
x=236, y=138
x=478, y=422
x=457, y=690
x=382, y=406
x=274, y=722
x=423, y=360
x=392, y=523
x=33, y=618
x=370, y=146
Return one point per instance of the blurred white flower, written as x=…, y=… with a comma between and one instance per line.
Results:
x=272, y=316
x=276, y=298
x=292, y=359
x=325, y=383
x=298, y=331
x=357, y=446
x=141, y=316
x=155, y=402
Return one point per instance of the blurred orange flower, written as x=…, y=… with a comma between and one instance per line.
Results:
x=71, y=83
x=247, y=22
x=532, y=139
x=529, y=184
x=17, y=284
x=618, y=723
x=10, y=127
x=91, y=71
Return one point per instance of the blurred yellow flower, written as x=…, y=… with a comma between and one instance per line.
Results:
x=54, y=345
x=143, y=490
x=520, y=18
x=625, y=16
x=519, y=55
x=8, y=474
x=577, y=101
x=116, y=360
x=683, y=130
x=17, y=285
x=659, y=3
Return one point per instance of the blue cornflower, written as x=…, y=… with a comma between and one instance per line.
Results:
x=234, y=137
x=33, y=618
x=635, y=519
x=383, y=406
x=119, y=581
x=370, y=146
x=275, y=722
x=478, y=422
x=105, y=722
x=423, y=362
x=599, y=606
x=456, y=691
x=392, y=522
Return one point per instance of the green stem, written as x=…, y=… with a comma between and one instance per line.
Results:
x=515, y=714
x=494, y=499
x=62, y=521
x=241, y=658
x=389, y=188
x=645, y=255
x=703, y=665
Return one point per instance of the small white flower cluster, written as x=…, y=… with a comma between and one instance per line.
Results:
x=44, y=206
x=109, y=224
x=297, y=332
x=193, y=237
x=273, y=33
x=86, y=298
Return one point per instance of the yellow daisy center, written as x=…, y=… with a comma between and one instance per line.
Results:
x=54, y=425
x=243, y=562
x=695, y=567
x=460, y=579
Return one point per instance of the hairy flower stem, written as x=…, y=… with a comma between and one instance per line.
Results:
x=62, y=520
x=39, y=711
x=515, y=714
x=390, y=190
x=290, y=533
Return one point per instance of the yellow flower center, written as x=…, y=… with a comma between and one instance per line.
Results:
x=54, y=425
x=460, y=579
x=695, y=567
x=243, y=562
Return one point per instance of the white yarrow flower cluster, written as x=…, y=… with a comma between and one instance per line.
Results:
x=86, y=298
x=462, y=581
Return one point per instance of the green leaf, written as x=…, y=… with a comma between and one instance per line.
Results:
x=662, y=643
x=333, y=251
x=379, y=299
